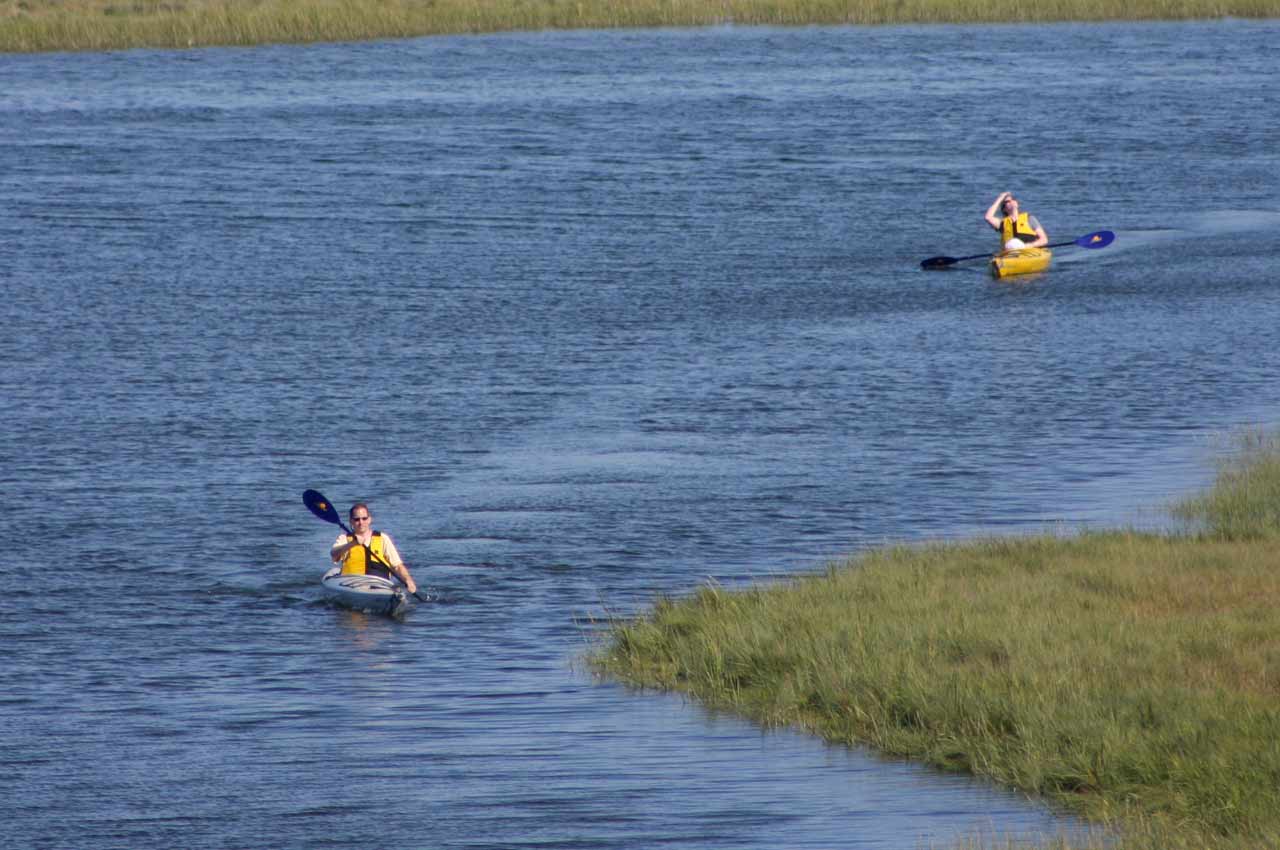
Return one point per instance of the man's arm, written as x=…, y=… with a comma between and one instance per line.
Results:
x=991, y=217
x=1042, y=238
x=340, y=548
x=397, y=565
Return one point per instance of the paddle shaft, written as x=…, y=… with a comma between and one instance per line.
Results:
x=1063, y=244
x=1097, y=239
x=988, y=254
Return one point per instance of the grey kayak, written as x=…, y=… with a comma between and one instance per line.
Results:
x=372, y=594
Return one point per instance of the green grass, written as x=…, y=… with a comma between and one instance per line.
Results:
x=1131, y=678
x=47, y=25
x=1245, y=503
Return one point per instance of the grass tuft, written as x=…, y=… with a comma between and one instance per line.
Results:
x=1244, y=503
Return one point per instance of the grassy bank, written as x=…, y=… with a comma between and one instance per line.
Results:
x=1131, y=678
x=45, y=25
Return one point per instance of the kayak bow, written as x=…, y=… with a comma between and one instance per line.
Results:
x=371, y=594
x=1021, y=261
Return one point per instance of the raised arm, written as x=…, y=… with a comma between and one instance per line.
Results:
x=992, y=216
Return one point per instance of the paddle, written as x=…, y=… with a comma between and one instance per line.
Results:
x=1097, y=239
x=323, y=508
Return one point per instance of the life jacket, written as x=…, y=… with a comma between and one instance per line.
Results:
x=1019, y=228
x=360, y=562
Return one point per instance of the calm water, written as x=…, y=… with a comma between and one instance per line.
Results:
x=586, y=317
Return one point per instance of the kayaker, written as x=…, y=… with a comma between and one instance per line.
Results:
x=356, y=552
x=1017, y=229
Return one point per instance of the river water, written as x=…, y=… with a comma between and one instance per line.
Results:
x=586, y=317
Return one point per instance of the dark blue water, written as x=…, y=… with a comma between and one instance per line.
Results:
x=586, y=317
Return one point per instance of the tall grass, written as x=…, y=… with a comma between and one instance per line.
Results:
x=1131, y=678
x=1245, y=501
x=43, y=25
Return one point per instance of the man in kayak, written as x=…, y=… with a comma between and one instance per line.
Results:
x=1017, y=229
x=369, y=552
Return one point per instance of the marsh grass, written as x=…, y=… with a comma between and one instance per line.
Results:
x=45, y=25
x=1131, y=678
x=1245, y=501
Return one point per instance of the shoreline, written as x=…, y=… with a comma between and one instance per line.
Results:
x=1130, y=678
x=41, y=26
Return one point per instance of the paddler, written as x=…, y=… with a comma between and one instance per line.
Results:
x=368, y=552
x=1017, y=229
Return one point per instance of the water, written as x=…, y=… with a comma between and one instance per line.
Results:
x=586, y=317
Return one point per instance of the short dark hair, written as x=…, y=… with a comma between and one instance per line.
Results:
x=359, y=505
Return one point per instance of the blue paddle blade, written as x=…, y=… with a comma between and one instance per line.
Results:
x=1100, y=239
x=320, y=506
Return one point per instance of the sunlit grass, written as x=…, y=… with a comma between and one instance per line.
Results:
x=1131, y=678
x=1245, y=502
x=43, y=25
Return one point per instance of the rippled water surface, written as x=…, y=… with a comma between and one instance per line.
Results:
x=586, y=317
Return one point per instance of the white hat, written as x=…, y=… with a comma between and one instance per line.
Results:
x=1014, y=244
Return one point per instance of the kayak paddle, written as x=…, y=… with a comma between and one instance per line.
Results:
x=1097, y=239
x=323, y=508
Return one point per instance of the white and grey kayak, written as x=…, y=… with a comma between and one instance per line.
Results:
x=373, y=594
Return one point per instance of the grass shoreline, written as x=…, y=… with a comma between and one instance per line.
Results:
x=28, y=26
x=1129, y=678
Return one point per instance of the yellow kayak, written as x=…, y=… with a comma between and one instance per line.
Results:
x=1021, y=261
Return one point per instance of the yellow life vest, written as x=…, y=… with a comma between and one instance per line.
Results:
x=358, y=562
x=1017, y=229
